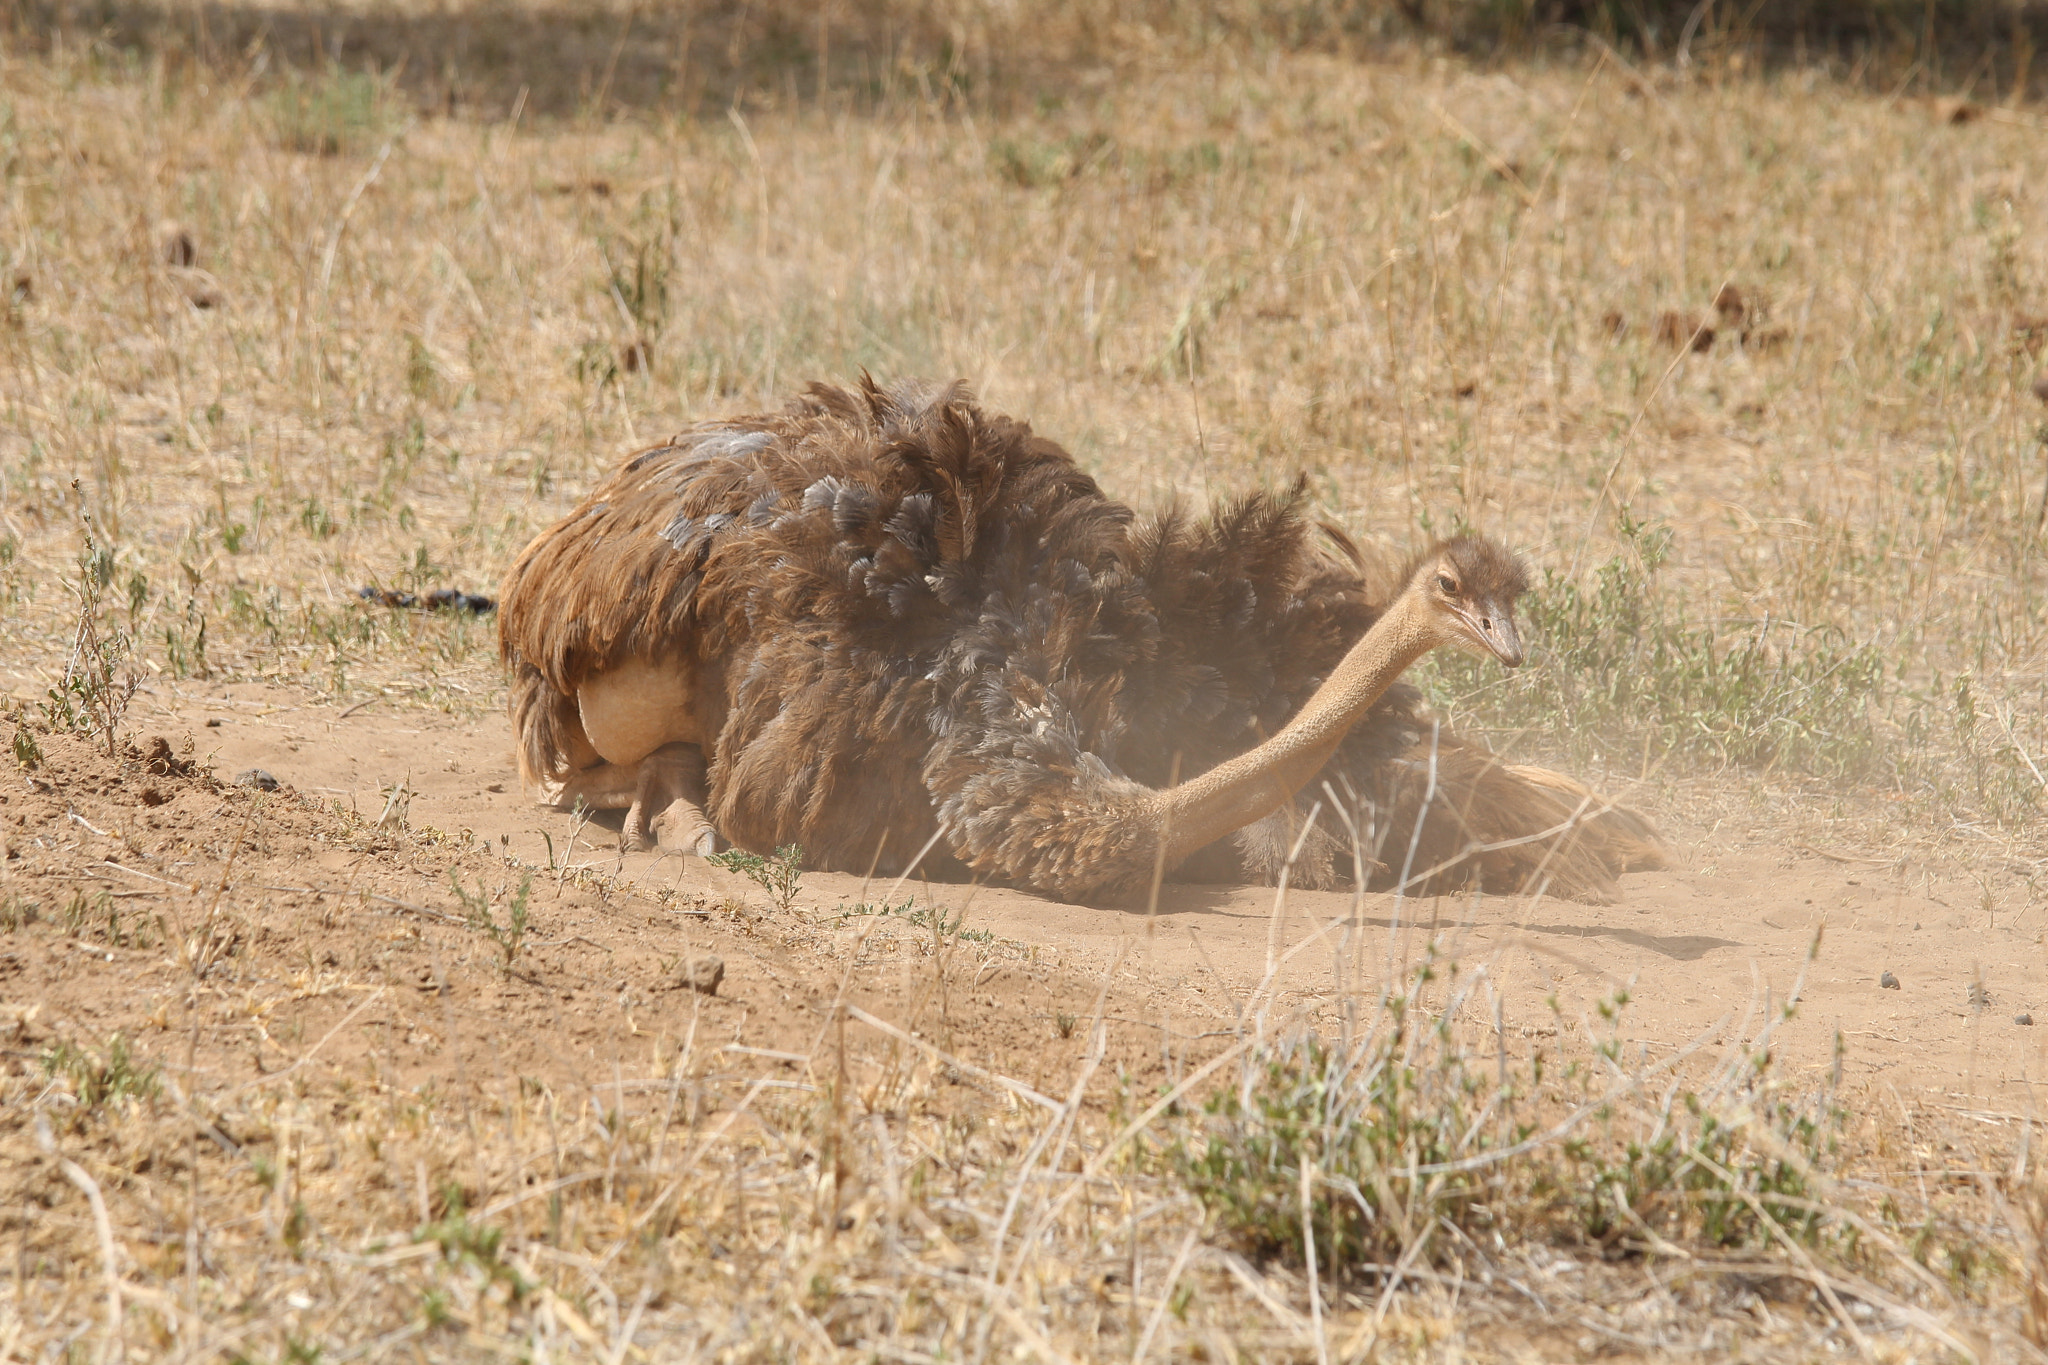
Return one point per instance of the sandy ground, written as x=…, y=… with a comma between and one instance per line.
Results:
x=271, y=953
x=1707, y=948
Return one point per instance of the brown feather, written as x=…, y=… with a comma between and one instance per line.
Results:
x=902, y=612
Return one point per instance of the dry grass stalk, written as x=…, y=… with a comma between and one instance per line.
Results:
x=422, y=339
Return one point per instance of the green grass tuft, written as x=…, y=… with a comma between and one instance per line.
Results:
x=1621, y=663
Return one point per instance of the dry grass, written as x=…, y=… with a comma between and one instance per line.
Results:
x=867, y=1194
x=386, y=345
x=435, y=1192
x=1396, y=278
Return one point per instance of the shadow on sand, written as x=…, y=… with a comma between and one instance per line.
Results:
x=1255, y=903
x=1232, y=903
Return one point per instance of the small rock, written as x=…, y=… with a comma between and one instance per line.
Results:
x=1888, y=981
x=702, y=974
x=2024, y=1020
x=257, y=778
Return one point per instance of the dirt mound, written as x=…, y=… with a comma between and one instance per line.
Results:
x=146, y=897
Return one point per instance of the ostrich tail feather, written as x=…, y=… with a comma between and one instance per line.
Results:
x=548, y=727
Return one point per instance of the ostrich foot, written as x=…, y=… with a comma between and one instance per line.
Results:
x=684, y=826
x=672, y=785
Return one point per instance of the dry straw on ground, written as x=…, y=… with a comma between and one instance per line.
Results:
x=279, y=330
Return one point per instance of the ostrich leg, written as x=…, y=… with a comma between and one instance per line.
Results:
x=668, y=803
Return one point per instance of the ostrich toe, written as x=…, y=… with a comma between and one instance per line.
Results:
x=671, y=786
x=637, y=836
x=684, y=826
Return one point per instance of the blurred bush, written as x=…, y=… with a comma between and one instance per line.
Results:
x=558, y=57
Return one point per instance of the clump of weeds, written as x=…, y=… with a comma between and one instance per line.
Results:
x=102, y=1076
x=932, y=917
x=780, y=876
x=28, y=751
x=1394, y=1141
x=509, y=934
x=1625, y=664
x=91, y=698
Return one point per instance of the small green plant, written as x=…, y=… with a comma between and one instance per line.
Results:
x=436, y=1308
x=90, y=700
x=1031, y=163
x=510, y=935
x=636, y=281
x=925, y=917
x=329, y=112
x=466, y=1242
x=316, y=521
x=1702, y=1176
x=597, y=364
x=28, y=754
x=185, y=642
x=779, y=876
x=81, y=911
x=1625, y=662
x=1361, y=1120
x=420, y=370
x=638, y=264
x=298, y=1226
x=297, y=1351
x=1361, y=1147
x=18, y=912
x=1737, y=1171
x=99, y=1078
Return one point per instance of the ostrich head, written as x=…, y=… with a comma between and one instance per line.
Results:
x=1469, y=586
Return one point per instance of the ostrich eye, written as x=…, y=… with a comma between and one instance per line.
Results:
x=1447, y=583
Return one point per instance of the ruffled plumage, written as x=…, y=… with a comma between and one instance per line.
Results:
x=905, y=612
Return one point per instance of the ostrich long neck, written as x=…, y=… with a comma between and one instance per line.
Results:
x=1258, y=782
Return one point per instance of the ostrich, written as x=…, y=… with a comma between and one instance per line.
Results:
x=889, y=626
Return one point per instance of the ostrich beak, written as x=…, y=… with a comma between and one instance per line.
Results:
x=1493, y=628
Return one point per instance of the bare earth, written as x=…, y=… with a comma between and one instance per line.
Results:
x=306, y=971
x=1710, y=944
